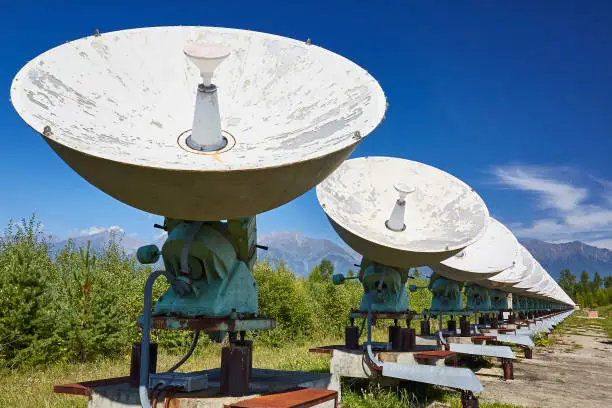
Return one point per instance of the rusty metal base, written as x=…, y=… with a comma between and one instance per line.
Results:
x=425, y=328
x=395, y=337
x=465, y=327
x=508, y=368
x=235, y=323
x=408, y=338
x=362, y=314
x=298, y=398
x=468, y=400
x=135, y=362
x=236, y=367
x=351, y=337
x=117, y=392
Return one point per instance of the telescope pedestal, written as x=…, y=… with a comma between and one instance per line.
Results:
x=236, y=368
x=425, y=327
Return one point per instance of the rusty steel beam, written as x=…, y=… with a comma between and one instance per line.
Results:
x=358, y=314
x=85, y=388
x=205, y=323
x=297, y=398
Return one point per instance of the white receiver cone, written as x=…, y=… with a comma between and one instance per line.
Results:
x=443, y=215
x=119, y=109
x=206, y=132
x=396, y=220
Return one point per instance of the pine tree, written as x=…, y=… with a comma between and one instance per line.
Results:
x=23, y=293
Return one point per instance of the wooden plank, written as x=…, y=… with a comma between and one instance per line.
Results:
x=85, y=387
x=296, y=398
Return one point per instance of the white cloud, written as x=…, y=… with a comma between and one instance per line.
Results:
x=602, y=243
x=569, y=216
x=539, y=228
x=96, y=230
x=553, y=193
x=161, y=235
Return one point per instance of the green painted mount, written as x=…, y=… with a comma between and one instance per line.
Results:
x=209, y=266
x=446, y=294
x=478, y=298
x=383, y=285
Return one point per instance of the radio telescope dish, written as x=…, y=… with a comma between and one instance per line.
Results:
x=549, y=291
x=546, y=292
x=521, y=269
x=542, y=285
x=537, y=274
x=400, y=212
x=120, y=107
x=496, y=251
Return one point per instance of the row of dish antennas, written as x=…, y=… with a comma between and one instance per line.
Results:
x=209, y=127
x=432, y=219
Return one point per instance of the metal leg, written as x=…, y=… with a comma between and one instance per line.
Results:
x=235, y=370
x=351, y=337
x=508, y=368
x=395, y=337
x=468, y=400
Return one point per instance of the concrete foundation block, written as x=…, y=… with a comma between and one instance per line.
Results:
x=262, y=382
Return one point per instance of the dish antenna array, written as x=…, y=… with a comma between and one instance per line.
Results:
x=207, y=127
x=497, y=251
x=211, y=126
x=423, y=217
x=438, y=221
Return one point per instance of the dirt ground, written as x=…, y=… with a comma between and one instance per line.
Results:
x=576, y=371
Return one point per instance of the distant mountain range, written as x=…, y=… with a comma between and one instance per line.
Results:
x=99, y=240
x=301, y=253
x=575, y=256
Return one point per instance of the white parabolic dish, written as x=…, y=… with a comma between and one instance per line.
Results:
x=537, y=274
x=496, y=251
x=116, y=105
x=443, y=215
x=511, y=276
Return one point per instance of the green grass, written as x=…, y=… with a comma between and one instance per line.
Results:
x=576, y=324
x=544, y=340
x=413, y=395
x=605, y=324
x=33, y=387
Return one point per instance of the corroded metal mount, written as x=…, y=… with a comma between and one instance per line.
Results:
x=211, y=324
x=362, y=314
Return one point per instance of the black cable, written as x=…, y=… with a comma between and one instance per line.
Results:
x=189, y=353
x=363, y=321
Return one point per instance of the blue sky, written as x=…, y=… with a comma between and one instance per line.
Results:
x=514, y=98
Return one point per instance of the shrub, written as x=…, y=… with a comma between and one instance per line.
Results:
x=79, y=305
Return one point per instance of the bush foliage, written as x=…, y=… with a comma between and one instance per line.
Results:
x=77, y=305
x=587, y=292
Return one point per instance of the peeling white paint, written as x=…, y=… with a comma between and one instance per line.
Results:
x=517, y=273
x=127, y=95
x=496, y=251
x=442, y=214
x=533, y=279
x=528, y=278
